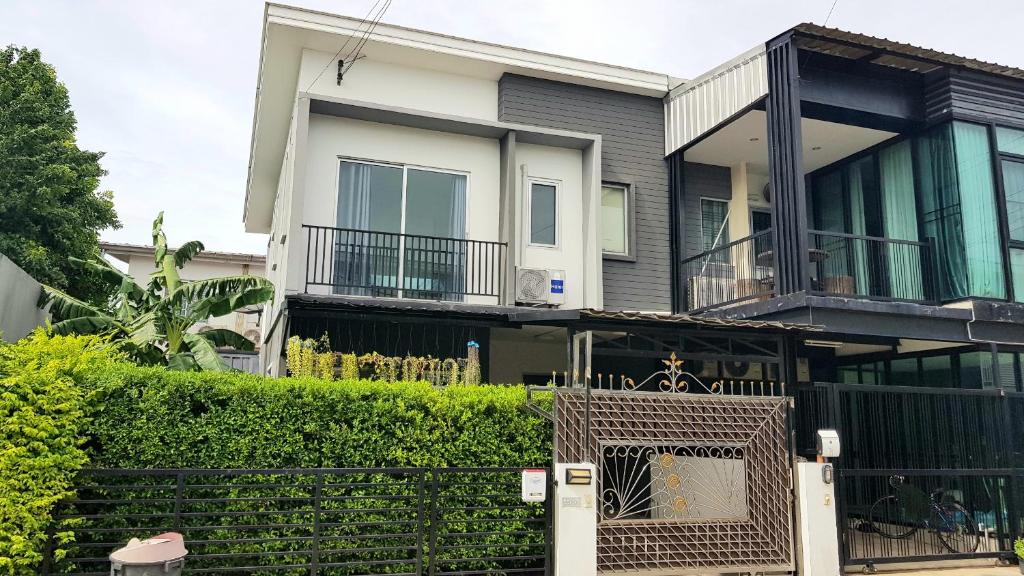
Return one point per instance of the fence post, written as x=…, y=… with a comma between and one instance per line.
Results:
x=317, y=506
x=432, y=549
x=179, y=492
x=420, y=487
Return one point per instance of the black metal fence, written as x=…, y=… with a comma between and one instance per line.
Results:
x=739, y=271
x=386, y=264
x=925, y=473
x=898, y=515
x=872, y=267
x=411, y=521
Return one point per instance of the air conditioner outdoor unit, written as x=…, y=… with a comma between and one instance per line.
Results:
x=760, y=198
x=540, y=286
x=710, y=290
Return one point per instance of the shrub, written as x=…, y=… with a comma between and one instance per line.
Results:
x=68, y=400
x=153, y=418
x=43, y=413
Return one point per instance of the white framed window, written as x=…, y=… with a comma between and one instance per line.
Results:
x=714, y=218
x=402, y=198
x=615, y=219
x=543, y=214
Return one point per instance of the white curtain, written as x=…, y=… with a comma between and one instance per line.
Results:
x=458, y=230
x=352, y=252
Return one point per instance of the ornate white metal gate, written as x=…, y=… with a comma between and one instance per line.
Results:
x=686, y=481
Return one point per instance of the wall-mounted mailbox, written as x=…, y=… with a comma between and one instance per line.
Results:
x=578, y=476
x=828, y=443
x=535, y=485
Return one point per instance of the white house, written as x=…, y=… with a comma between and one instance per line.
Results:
x=397, y=190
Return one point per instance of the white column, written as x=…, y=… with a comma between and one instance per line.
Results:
x=816, y=517
x=575, y=523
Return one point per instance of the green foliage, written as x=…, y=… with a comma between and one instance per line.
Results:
x=152, y=325
x=50, y=207
x=153, y=419
x=43, y=414
x=1018, y=548
x=66, y=400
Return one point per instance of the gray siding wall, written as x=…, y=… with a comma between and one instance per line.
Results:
x=632, y=152
x=701, y=181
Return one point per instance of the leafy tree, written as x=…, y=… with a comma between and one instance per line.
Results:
x=152, y=324
x=50, y=208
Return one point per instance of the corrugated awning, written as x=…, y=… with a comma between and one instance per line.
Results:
x=686, y=319
x=519, y=315
x=889, y=53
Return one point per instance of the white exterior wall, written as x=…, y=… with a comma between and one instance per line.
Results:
x=402, y=86
x=332, y=138
x=563, y=167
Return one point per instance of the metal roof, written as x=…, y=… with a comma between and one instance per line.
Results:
x=686, y=319
x=521, y=314
x=890, y=53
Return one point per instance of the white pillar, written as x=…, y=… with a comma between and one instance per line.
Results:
x=575, y=523
x=816, y=515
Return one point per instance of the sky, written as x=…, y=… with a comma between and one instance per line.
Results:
x=166, y=89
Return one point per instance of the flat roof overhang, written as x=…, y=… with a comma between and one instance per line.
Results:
x=260, y=200
x=518, y=316
x=968, y=322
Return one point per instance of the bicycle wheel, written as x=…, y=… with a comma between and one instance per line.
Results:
x=955, y=527
x=889, y=519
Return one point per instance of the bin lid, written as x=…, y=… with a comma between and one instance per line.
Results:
x=156, y=550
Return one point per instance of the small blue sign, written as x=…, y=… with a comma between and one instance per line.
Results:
x=557, y=287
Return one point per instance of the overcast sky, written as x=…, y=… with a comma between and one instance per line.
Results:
x=166, y=89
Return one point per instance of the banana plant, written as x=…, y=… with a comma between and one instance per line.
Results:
x=152, y=324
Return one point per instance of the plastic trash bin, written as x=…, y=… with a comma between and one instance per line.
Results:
x=161, y=555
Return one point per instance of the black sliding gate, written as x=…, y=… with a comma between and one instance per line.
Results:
x=925, y=473
x=338, y=521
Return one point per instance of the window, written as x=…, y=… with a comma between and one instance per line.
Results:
x=543, y=214
x=615, y=219
x=1010, y=141
x=760, y=220
x=377, y=204
x=714, y=223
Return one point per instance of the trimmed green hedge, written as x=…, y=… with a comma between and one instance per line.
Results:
x=70, y=402
x=151, y=418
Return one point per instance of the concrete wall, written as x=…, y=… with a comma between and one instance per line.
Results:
x=564, y=169
x=632, y=147
x=373, y=80
x=19, y=294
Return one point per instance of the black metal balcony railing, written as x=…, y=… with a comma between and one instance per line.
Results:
x=736, y=272
x=387, y=264
x=871, y=267
x=841, y=265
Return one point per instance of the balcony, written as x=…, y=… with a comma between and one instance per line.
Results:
x=390, y=265
x=841, y=265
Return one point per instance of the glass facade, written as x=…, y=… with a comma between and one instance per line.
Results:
x=938, y=187
x=969, y=369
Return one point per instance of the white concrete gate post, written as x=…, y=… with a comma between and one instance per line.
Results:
x=575, y=530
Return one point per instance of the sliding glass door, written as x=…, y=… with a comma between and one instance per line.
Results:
x=401, y=232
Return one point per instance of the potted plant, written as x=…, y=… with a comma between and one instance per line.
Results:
x=1018, y=550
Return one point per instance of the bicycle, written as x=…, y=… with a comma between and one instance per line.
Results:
x=909, y=509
